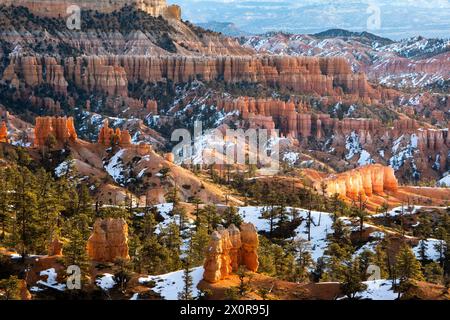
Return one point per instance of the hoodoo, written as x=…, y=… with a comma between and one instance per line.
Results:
x=109, y=240
x=62, y=129
x=3, y=133
x=230, y=248
x=364, y=181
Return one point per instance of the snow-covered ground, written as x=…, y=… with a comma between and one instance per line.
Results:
x=378, y=290
x=354, y=147
x=106, y=281
x=445, y=181
x=291, y=157
x=320, y=227
x=115, y=167
x=171, y=284
x=431, y=252
x=64, y=167
x=394, y=212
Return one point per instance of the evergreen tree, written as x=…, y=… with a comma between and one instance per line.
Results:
x=10, y=289
x=231, y=216
x=407, y=265
x=407, y=269
x=25, y=206
x=186, y=293
x=423, y=247
x=123, y=273
x=49, y=206
x=6, y=193
x=243, y=287
x=200, y=240
x=77, y=232
x=352, y=284
x=434, y=273
x=303, y=259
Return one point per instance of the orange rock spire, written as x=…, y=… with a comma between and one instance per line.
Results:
x=63, y=129
x=3, y=133
x=109, y=240
x=109, y=137
x=230, y=248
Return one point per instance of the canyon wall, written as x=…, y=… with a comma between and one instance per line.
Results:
x=109, y=240
x=58, y=8
x=61, y=128
x=111, y=74
x=293, y=119
x=230, y=248
x=364, y=181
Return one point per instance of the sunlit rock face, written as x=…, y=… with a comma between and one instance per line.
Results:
x=59, y=8
x=3, y=132
x=109, y=240
x=109, y=137
x=230, y=248
x=61, y=128
x=365, y=182
x=111, y=74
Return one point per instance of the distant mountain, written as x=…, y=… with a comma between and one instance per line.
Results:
x=399, y=19
x=364, y=37
x=226, y=28
x=400, y=64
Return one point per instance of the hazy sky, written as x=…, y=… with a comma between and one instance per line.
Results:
x=392, y=18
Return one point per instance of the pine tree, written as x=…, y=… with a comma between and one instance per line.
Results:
x=407, y=268
x=199, y=242
x=49, y=206
x=434, y=273
x=186, y=293
x=231, y=216
x=407, y=265
x=6, y=192
x=10, y=288
x=123, y=273
x=243, y=287
x=423, y=247
x=77, y=232
x=303, y=259
x=352, y=283
x=359, y=211
x=212, y=218
x=25, y=206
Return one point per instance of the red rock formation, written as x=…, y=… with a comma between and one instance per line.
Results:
x=3, y=132
x=249, y=248
x=109, y=240
x=55, y=248
x=230, y=248
x=58, y=8
x=152, y=107
x=111, y=74
x=109, y=137
x=169, y=157
x=364, y=181
x=62, y=129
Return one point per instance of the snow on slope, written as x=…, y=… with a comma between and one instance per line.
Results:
x=115, y=167
x=106, y=281
x=378, y=290
x=170, y=284
x=320, y=228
